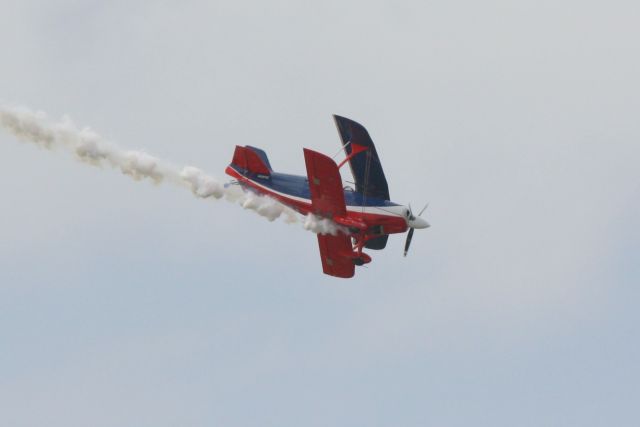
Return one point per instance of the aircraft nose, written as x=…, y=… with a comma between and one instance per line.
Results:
x=419, y=223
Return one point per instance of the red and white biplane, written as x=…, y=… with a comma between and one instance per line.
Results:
x=366, y=211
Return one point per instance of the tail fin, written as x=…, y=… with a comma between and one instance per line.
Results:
x=252, y=160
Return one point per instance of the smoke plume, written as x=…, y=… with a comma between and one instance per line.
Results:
x=91, y=148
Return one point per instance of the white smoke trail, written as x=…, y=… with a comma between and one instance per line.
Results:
x=91, y=148
x=322, y=225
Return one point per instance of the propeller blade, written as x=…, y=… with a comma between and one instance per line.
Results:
x=424, y=209
x=408, y=241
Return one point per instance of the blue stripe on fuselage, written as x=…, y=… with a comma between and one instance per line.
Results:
x=298, y=186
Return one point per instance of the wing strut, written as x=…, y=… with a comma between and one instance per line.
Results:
x=355, y=149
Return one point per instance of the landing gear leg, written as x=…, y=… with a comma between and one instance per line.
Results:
x=359, y=257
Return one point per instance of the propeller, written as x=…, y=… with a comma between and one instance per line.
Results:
x=414, y=222
x=407, y=243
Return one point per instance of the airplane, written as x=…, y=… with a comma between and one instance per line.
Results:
x=365, y=212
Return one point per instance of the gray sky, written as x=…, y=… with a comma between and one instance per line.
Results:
x=129, y=304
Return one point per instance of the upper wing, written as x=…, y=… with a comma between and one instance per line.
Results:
x=325, y=184
x=365, y=167
x=327, y=200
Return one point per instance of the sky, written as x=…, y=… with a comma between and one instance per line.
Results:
x=126, y=303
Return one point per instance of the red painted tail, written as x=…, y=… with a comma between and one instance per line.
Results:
x=252, y=160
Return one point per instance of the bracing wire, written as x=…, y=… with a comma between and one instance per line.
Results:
x=366, y=180
x=341, y=149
